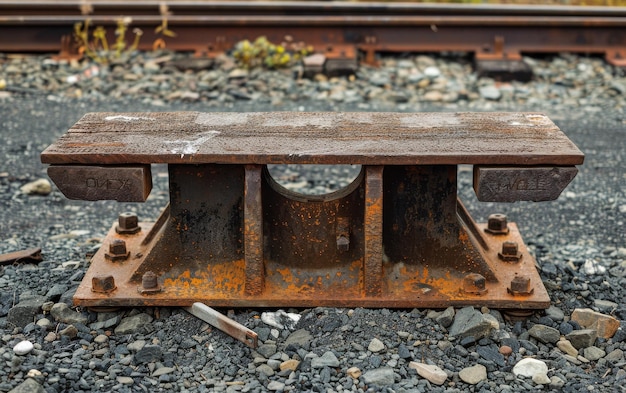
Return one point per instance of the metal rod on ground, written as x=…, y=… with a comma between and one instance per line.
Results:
x=223, y=323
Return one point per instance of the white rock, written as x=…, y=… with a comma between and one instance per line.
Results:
x=23, y=347
x=431, y=372
x=37, y=187
x=34, y=373
x=592, y=267
x=280, y=319
x=432, y=72
x=529, y=367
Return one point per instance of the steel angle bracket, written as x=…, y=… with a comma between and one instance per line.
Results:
x=231, y=236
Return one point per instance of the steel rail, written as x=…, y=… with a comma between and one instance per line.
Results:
x=491, y=32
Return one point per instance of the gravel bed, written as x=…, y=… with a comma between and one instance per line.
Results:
x=579, y=242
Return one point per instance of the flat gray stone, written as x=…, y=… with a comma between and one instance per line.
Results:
x=276, y=386
x=582, y=338
x=545, y=334
x=266, y=350
x=555, y=313
x=328, y=359
x=28, y=386
x=300, y=338
x=470, y=322
x=149, y=353
x=379, y=376
x=446, y=318
x=133, y=324
x=63, y=313
x=593, y=353
x=24, y=312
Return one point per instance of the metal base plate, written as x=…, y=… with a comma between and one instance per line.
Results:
x=405, y=284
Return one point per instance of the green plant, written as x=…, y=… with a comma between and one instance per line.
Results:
x=97, y=46
x=263, y=53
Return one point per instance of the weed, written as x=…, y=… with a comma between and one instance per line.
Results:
x=263, y=53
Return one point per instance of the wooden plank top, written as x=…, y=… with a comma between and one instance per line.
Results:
x=368, y=138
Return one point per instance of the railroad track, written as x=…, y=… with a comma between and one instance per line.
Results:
x=496, y=34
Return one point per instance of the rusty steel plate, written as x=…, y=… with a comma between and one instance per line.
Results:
x=403, y=284
x=331, y=138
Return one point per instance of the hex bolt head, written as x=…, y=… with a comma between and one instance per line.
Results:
x=343, y=243
x=103, y=284
x=520, y=285
x=149, y=280
x=497, y=224
x=117, y=251
x=475, y=284
x=510, y=252
x=149, y=283
x=127, y=224
x=509, y=248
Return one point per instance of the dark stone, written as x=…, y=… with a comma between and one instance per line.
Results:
x=6, y=300
x=375, y=361
x=263, y=333
x=149, y=353
x=28, y=386
x=532, y=348
x=404, y=352
x=54, y=293
x=545, y=334
x=446, y=318
x=468, y=341
x=565, y=328
x=24, y=312
x=470, y=322
x=582, y=338
x=492, y=354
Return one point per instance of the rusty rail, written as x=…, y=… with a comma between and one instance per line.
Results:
x=231, y=236
x=496, y=34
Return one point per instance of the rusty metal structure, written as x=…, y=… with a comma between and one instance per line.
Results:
x=397, y=236
x=341, y=31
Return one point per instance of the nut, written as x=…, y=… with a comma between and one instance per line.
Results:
x=520, y=285
x=343, y=243
x=497, y=224
x=117, y=251
x=103, y=284
x=474, y=284
x=127, y=224
x=510, y=252
x=149, y=283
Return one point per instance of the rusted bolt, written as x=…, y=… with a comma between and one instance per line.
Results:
x=343, y=243
x=103, y=284
x=474, y=284
x=127, y=224
x=520, y=285
x=510, y=252
x=497, y=224
x=149, y=283
x=117, y=251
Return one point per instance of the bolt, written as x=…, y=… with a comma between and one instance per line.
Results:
x=149, y=283
x=343, y=243
x=149, y=280
x=474, y=284
x=510, y=252
x=497, y=224
x=127, y=224
x=117, y=251
x=103, y=284
x=520, y=285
